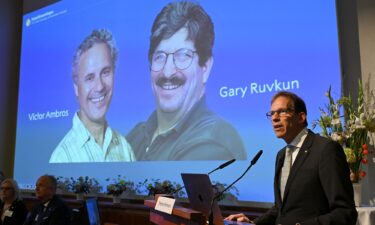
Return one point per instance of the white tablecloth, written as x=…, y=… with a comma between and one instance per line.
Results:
x=366, y=216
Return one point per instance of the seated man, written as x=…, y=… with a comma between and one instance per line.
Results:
x=51, y=210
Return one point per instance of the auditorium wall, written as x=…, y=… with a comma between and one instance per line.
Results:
x=366, y=21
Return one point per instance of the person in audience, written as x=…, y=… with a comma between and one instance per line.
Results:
x=51, y=210
x=12, y=210
x=183, y=127
x=311, y=184
x=91, y=139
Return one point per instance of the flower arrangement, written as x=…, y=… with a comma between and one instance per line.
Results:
x=63, y=183
x=348, y=124
x=231, y=194
x=84, y=185
x=119, y=185
x=160, y=187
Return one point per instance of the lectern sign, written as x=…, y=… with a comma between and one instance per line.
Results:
x=165, y=204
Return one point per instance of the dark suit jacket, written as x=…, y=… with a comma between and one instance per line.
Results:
x=56, y=213
x=18, y=216
x=318, y=190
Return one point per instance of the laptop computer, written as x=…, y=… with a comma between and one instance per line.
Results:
x=200, y=194
x=92, y=212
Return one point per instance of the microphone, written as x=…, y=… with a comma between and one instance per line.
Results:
x=256, y=157
x=222, y=166
x=253, y=161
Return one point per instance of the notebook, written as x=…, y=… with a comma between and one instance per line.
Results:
x=200, y=194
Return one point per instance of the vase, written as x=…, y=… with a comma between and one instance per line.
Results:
x=116, y=199
x=357, y=188
x=79, y=196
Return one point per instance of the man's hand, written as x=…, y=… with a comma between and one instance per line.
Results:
x=239, y=218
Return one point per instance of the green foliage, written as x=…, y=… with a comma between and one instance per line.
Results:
x=155, y=186
x=119, y=185
x=231, y=194
x=82, y=184
x=349, y=123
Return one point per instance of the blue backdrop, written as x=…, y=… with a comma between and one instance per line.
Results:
x=262, y=45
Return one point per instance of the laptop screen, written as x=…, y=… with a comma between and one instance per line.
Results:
x=200, y=193
x=92, y=210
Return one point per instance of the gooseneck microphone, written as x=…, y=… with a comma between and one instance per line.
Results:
x=252, y=162
x=222, y=166
x=255, y=159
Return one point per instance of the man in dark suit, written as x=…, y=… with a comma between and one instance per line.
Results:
x=51, y=210
x=311, y=184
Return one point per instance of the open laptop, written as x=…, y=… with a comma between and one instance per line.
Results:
x=92, y=212
x=200, y=193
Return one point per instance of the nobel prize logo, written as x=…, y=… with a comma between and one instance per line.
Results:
x=28, y=22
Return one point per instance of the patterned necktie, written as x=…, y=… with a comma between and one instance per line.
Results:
x=286, y=169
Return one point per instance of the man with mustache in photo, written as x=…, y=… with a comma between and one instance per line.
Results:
x=91, y=139
x=183, y=127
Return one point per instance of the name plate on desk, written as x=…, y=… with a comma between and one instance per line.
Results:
x=165, y=204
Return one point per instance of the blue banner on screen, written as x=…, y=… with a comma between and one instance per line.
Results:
x=124, y=87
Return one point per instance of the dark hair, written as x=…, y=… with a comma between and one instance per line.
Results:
x=192, y=16
x=96, y=37
x=298, y=103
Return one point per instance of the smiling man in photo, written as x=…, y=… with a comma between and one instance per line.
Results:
x=91, y=139
x=183, y=127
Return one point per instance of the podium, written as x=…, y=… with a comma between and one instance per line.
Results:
x=180, y=215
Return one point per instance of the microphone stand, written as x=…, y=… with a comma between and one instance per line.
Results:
x=253, y=161
x=222, y=166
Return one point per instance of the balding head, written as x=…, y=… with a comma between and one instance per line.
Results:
x=46, y=188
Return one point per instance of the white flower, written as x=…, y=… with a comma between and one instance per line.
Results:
x=336, y=137
x=362, y=118
x=336, y=121
x=358, y=124
x=349, y=124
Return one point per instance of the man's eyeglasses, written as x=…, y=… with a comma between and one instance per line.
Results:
x=182, y=59
x=280, y=112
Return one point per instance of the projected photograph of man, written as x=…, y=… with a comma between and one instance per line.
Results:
x=183, y=127
x=91, y=139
